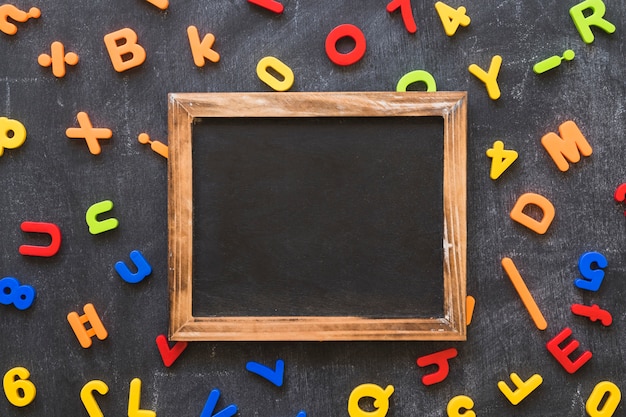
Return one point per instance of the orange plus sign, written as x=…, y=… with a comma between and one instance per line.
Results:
x=89, y=133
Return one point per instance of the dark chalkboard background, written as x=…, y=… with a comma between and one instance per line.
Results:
x=318, y=217
x=55, y=179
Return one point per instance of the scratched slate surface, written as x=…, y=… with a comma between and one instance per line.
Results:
x=52, y=178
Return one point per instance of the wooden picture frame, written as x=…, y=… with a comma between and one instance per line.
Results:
x=184, y=108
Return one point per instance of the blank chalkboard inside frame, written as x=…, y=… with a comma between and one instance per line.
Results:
x=185, y=109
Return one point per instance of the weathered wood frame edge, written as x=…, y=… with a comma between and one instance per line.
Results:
x=185, y=107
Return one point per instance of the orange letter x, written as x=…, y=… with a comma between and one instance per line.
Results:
x=87, y=132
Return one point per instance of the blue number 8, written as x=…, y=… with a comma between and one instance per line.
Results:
x=11, y=292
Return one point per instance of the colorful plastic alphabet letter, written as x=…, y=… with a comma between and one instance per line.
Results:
x=161, y=4
x=46, y=228
x=583, y=21
x=210, y=404
x=271, y=5
x=524, y=294
x=169, y=355
x=78, y=325
x=100, y=226
x=501, y=159
x=441, y=359
x=568, y=146
x=470, y=304
x=452, y=18
x=553, y=62
x=134, y=401
x=275, y=376
x=602, y=390
x=11, y=292
x=592, y=278
x=593, y=313
x=620, y=194
x=562, y=354
x=57, y=59
x=155, y=145
x=489, y=77
x=124, y=51
x=12, y=134
x=524, y=388
x=417, y=76
x=89, y=133
x=201, y=51
x=380, y=396
x=343, y=31
x=19, y=390
x=406, y=11
x=458, y=403
x=10, y=11
x=278, y=67
x=143, y=268
x=86, y=396
x=517, y=213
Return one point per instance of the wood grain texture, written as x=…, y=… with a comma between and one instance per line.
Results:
x=185, y=107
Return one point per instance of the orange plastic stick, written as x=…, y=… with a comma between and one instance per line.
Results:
x=470, y=303
x=522, y=290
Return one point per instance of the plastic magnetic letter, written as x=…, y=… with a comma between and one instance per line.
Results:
x=470, y=304
x=620, y=194
x=134, y=401
x=86, y=396
x=46, y=228
x=271, y=5
x=343, y=31
x=524, y=388
x=11, y=292
x=553, y=62
x=210, y=404
x=458, y=403
x=441, y=359
x=537, y=226
x=169, y=355
x=414, y=77
x=562, y=354
x=143, y=268
x=18, y=389
x=10, y=11
x=100, y=226
x=201, y=51
x=380, y=396
x=592, y=277
x=275, y=376
x=593, y=313
x=568, y=146
x=161, y=4
x=155, y=145
x=78, y=325
x=406, y=11
x=596, y=18
x=489, y=77
x=524, y=294
x=279, y=67
x=600, y=391
x=89, y=133
x=12, y=134
x=501, y=159
x=452, y=18
x=57, y=59
x=129, y=54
